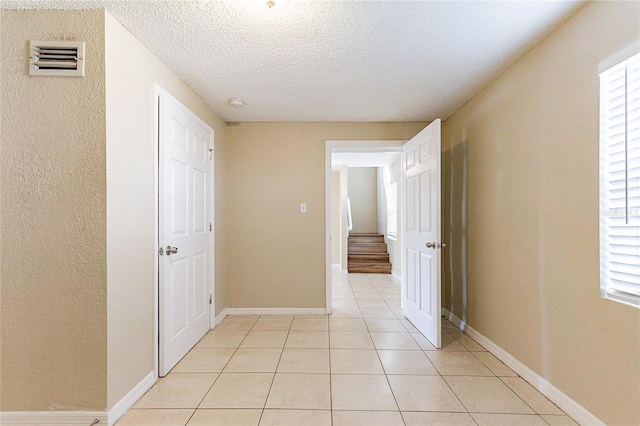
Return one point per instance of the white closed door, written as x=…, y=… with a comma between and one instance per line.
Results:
x=421, y=244
x=184, y=231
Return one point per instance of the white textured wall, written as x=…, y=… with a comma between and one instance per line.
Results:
x=532, y=138
x=54, y=269
x=363, y=193
x=78, y=212
x=132, y=71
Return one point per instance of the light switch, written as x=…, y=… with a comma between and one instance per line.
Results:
x=303, y=207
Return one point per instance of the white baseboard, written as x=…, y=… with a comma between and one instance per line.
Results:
x=454, y=319
x=83, y=418
x=220, y=317
x=276, y=311
x=344, y=272
x=131, y=398
x=568, y=405
x=51, y=418
x=396, y=275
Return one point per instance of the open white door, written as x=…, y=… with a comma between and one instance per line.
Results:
x=184, y=231
x=421, y=232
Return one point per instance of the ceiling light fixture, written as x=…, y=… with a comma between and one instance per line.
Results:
x=236, y=103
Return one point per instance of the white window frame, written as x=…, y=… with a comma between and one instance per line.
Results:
x=620, y=177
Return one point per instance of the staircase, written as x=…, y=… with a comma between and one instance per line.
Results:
x=368, y=254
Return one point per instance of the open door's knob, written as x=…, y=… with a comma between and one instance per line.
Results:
x=171, y=250
x=431, y=245
x=442, y=245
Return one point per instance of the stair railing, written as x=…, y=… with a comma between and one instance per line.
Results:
x=349, y=218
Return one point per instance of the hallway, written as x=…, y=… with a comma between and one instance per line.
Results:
x=363, y=365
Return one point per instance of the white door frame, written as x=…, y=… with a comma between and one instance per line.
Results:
x=158, y=91
x=332, y=146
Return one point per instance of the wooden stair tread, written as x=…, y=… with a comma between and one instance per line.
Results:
x=368, y=257
x=366, y=238
x=367, y=253
x=374, y=268
x=371, y=248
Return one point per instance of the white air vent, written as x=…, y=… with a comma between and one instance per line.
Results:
x=56, y=58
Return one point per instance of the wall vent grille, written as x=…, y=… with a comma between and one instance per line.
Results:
x=56, y=58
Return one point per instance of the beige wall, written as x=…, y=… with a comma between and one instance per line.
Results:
x=533, y=263
x=363, y=194
x=132, y=71
x=277, y=254
x=54, y=229
x=454, y=230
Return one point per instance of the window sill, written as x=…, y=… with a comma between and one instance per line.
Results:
x=620, y=297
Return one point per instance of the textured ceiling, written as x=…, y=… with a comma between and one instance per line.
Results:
x=334, y=60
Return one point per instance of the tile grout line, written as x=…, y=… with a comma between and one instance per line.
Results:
x=522, y=399
x=330, y=373
x=455, y=338
x=220, y=373
x=375, y=349
x=493, y=375
x=264, y=407
x=386, y=376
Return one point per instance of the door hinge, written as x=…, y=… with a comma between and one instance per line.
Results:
x=210, y=153
x=210, y=226
x=210, y=299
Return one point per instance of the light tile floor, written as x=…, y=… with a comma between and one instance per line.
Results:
x=363, y=365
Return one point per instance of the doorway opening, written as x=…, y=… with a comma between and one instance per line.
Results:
x=366, y=159
x=420, y=225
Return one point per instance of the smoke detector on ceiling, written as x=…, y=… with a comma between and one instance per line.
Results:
x=56, y=58
x=236, y=103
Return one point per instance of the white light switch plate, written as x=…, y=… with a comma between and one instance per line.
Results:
x=303, y=207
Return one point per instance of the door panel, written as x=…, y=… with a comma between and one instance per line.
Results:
x=179, y=295
x=425, y=202
x=179, y=191
x=200, y=219
x=200, y=299
x=410, y=205
x=421, y=232
x=410, y=272
x=184, y=216
x=426, y=261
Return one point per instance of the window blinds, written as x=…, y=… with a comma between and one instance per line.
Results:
x=620, y=181
x=392, y=209
x=391, y=193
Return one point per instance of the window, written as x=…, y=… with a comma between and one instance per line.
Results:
x=391, y=193
x=620, y=179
